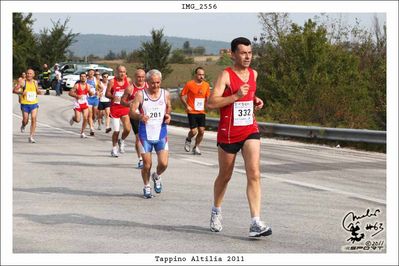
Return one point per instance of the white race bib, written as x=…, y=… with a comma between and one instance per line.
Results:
x=154, y=123
x=243, y=113
x=118, y=94
x=82, y=100
x=199, y=104
x=30, y=96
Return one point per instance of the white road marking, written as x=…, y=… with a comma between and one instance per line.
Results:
x=309, y=185
x=303, y=184
x=198, y=162
x=46, y=125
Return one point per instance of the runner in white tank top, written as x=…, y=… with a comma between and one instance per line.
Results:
x=154, y=116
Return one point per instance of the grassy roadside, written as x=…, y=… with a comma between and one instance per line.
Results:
x=181, y=72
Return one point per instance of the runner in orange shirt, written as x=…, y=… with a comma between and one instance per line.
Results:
x=194, y=96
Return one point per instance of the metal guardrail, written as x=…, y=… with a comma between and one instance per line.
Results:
x=309, y=132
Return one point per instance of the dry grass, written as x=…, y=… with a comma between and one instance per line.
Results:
x=180, y=75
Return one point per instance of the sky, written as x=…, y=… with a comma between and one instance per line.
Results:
x=211, y=26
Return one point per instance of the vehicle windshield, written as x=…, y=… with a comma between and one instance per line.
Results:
x=101, y=70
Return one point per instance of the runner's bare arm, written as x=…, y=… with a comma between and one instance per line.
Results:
x=258, y=102
x=135, y=105
x=18, y=86
x=183, y=99
x=125, y=97
x=72, y=92
x=108, y=93
x=38, y=91
x=168, y=108
x=216, y=100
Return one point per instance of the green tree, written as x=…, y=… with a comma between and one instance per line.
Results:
x=133, y=57
x=122, y=54
x=187, y=49
x=24, y=43
x=307, y=77
x=155, y=54
x=110, y=56
x=178, y=57
x=199, y=50
x=225, y=60
x=54, y=43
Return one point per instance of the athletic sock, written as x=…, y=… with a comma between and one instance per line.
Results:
x=216, y=210
x=255, y=219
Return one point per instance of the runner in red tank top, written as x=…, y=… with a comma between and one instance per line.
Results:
x=119, y=112
x=127, y=98
x=80, y=92
x=234, y=94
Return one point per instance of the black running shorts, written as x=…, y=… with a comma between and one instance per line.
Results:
x=196, y=120
x=237, y=146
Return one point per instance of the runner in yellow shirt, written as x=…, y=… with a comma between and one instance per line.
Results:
x=28, y=90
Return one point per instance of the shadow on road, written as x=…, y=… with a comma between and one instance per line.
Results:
x=63, y=190
x=74, y=218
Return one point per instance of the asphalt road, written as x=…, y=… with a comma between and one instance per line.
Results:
x=70, y=196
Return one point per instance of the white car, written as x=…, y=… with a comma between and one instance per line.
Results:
x=69, y=81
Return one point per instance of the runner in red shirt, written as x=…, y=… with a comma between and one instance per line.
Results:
x=127, y=98
x=234, y=94
x=119, y=112
x=80, y=92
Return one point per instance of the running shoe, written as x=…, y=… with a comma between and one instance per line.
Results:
x=108, y=130
x=22, y=129
x=71, y=121
x=91, y=132
x=83, y=135
x=99, y=127
x=187, y=145
x=216, y=222
x=32, y=140
x=196, y=151
x=157, y=182
x=121, y=144
x=114, y=152
x=147, y=192
x=140, y=164
x=258, y=229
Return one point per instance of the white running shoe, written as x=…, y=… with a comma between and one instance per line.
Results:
x=140, y=164
x=114, y=152
x=216, y=222
x=258, y=229
x=196, y=151
x=187, y=145
x=83, y=135
x=122, y=145
x=157, y=182
x=147, y=192
x=32, y=140
x=22, y=129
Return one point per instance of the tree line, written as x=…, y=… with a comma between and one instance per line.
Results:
x=322, y=73
x=33, y=50
x=51, y=46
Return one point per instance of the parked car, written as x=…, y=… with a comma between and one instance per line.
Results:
x=68, y=68
x=69, y=81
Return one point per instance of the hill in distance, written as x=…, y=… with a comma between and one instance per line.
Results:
x=100, y=44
